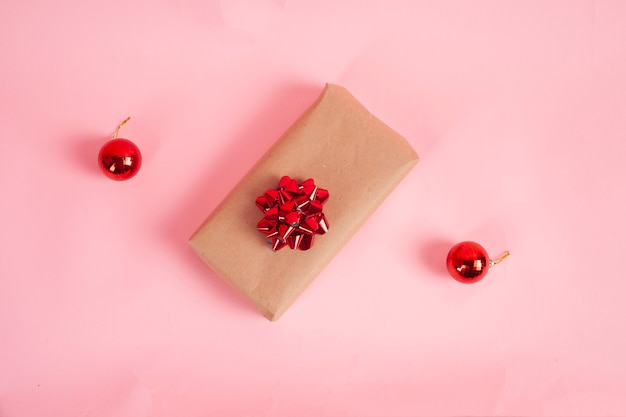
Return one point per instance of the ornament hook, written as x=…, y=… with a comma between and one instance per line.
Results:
x=493, y=262
x=117, y=131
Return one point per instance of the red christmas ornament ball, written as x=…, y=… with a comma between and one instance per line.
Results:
x=119, y=159
x=468, y=262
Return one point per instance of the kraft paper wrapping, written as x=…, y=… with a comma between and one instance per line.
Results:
x=347, y=151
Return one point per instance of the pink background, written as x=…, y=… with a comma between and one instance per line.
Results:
x=517, y=109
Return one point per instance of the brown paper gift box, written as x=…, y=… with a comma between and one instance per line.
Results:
x=347, y=151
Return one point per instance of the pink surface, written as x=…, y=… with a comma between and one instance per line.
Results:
x=517, y=109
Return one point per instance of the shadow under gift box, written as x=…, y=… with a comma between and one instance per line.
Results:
x=348, y=152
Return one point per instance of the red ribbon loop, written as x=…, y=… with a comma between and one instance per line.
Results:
x=293, y=214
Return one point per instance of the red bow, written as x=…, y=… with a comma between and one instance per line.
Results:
x=293, y=214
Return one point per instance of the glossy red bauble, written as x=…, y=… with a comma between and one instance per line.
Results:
x=468, y=262
x=119, y=159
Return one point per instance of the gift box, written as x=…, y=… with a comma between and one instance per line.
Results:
x=346, y=150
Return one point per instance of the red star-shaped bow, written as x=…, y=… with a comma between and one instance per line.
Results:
x=293, y=214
